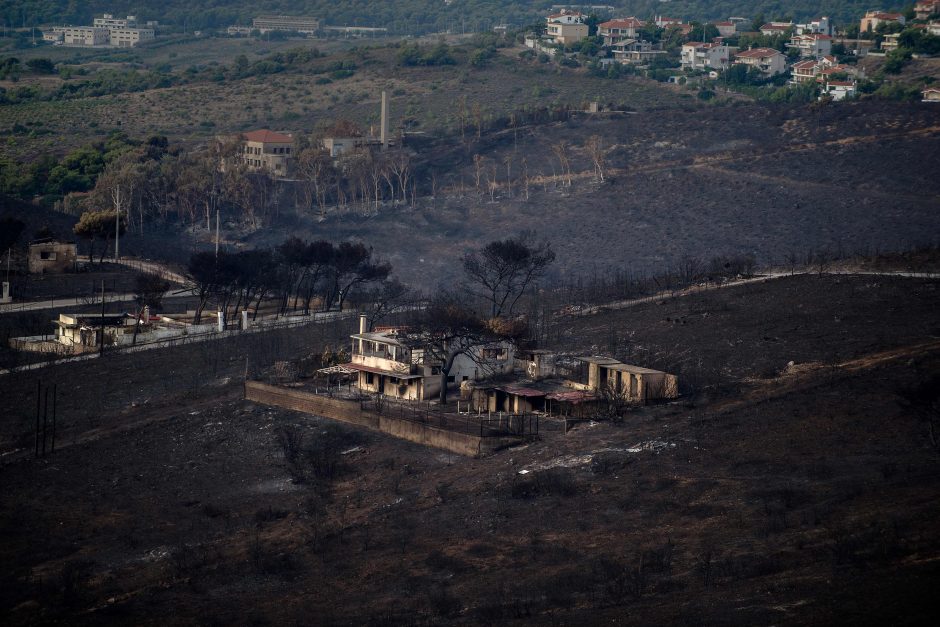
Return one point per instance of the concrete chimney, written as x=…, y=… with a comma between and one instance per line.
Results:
x=363, y=325
x=384, y=127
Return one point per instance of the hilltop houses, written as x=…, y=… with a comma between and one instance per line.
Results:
x=801, y=51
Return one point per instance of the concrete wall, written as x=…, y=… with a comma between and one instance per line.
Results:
x=350, y=412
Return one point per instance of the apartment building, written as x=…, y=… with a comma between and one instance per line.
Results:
x=297, y=24
x=697, y=55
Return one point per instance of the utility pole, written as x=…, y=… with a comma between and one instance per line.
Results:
x=217, y=232
x=101, y=330
x=117, y=223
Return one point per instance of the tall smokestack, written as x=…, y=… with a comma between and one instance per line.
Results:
x=363, y=325
x=384, y=127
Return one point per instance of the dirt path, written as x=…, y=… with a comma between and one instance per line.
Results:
x=767, y=276
x=808, y=375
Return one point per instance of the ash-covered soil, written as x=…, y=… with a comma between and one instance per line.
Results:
x=805, y=496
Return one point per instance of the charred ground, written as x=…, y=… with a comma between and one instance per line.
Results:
x=792, y=494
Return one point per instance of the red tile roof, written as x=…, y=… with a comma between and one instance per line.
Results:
x=267, y=137
x=630, y=22
x=757, y=53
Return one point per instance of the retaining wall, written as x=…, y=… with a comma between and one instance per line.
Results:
x=350, y=412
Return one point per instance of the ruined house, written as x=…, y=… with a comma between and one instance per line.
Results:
x=49, y=255
x=392, y=362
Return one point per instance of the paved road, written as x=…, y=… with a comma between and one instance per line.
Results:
x=148, y=267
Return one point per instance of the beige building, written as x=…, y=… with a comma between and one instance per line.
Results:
x=725, y=29
x=267, y=150
x=635, y=383
x=85, y=36
x=930, y=95
x=48, y=256
x=926, y=8
x=873, y=19
x=130, y=37
x=566, y=27
x=268, y=23
x=770, y=62
x=106, y=31
x=390, y=362
x=82, y=332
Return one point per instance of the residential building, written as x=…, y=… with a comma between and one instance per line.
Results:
x=636, y=52
x=667, y=22
x=615, y=31
x=725, y=29
x=566, y=28
x=267, y=150
x=83, y=332
x=813, y=45
x=776, y=28
x=697, y=55
x=740, y=23
x=931, y=94
x=803, y=72
x=839, y=90
x=392, y=362
x=48, y=255
x=933, y=28
x=873, y=19
x=820, y=26
x=770, y=62
x=268, y=23
x=825, y=72
x=925, y=8
x=890, y=42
